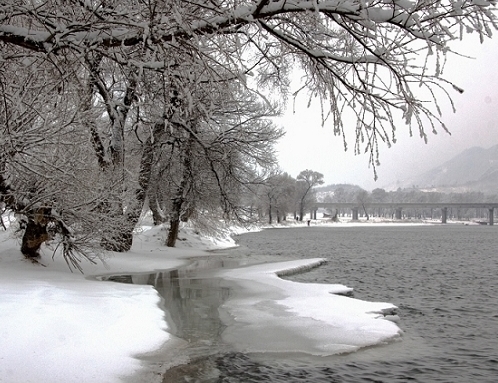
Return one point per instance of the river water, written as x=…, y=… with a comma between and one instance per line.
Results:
x=442, y=278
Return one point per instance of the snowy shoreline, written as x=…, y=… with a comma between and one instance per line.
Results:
x=59, y=326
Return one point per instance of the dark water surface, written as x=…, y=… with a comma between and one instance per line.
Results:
x=442, y=278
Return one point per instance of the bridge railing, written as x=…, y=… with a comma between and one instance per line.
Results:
x=397, y=207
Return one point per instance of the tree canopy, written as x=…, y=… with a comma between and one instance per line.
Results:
x=356, y=55
x=172, y=99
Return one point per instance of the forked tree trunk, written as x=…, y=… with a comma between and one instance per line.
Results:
x=365, y=210
x=176, y=210
x=117, y=234
x=120, y=236
x=180, y=198
x=157, y=214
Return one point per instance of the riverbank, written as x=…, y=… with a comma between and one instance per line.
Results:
x=59, y=326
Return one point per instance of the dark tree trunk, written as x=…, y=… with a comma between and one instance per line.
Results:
x=176, y=209
x=174, y=227
x=178, y=205
x=182, y=209
x=365, y=210
x=35, y=233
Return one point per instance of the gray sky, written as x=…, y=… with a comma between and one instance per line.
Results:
x=308, y=145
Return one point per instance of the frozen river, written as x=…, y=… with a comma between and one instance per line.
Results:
x=442, y=278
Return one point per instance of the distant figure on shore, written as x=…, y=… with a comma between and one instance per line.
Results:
x=309, y=221
x=335, y=218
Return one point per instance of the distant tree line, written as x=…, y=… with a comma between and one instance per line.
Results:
x=282, y=195
x=109, y=109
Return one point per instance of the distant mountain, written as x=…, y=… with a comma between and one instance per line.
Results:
x=474, y=169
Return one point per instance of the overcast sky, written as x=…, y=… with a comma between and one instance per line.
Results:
x=308, y=145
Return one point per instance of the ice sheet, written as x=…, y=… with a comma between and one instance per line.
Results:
x=276, y=315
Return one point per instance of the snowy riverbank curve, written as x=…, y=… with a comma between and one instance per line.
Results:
x=59, y=326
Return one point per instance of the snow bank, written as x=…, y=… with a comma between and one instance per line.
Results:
x=58, y=326
x=75, y=331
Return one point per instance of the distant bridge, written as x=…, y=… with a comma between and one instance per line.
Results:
x=399, y=206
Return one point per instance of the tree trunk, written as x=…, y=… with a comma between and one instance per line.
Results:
x=180, y=198
x=174, y=222
x=157, y=213
x=119, y=237
x=174, y=227
x=365, y=210
x=35, y=233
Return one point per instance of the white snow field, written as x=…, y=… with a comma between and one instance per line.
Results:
x=58, y=326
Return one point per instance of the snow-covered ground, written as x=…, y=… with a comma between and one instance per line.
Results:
x=58, y=326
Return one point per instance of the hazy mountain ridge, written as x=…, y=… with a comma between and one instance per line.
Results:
x=474, y=169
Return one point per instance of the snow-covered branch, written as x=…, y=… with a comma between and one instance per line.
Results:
x=175, y=94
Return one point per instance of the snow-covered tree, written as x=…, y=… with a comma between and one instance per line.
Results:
x=279, y=195
x=363, y=198
x=361, y=58
x=208, y=148
x=306, y=181
x=365, y=57
x=44, y=173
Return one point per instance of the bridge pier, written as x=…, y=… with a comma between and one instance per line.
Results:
x=399, y=213
x=355, y=214
x=444, y=214
x=396, y=208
